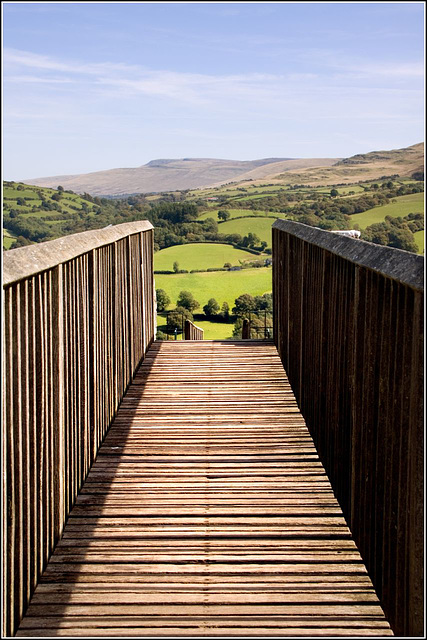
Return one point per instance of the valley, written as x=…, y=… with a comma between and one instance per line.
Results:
x=215, y=242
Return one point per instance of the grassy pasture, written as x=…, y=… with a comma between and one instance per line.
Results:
x=215, y=330
x=212, y=330
x=11, y=194
x=419, y=239
x=412, y=203
x=224, y=286
x=8, y=238
x=234, y=213
x=199, y=256
x=260, y=226
x=256, y=196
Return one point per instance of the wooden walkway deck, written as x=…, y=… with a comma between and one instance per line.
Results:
x=206, y=513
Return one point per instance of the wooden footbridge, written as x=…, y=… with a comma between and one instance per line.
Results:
x=174, y=488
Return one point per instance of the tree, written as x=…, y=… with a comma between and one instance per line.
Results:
x=225, y=311
x=223, y=215
x=186, y=300
x=211, y=308
x=264, y=302
x=227, y=265
x=176, y=266
x=177, y=317
x=393, y=234
x=163, y=300
x=334, y=193
x=251, y=240
x=59, y=188
x=20, y=242
x=244, y=304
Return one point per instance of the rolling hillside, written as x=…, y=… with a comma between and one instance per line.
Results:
x=369, y=166
x=156, y=176
x=194, y=173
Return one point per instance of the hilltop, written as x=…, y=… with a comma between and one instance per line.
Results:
x=156, y=176
x=361, y=167
x=162, y=175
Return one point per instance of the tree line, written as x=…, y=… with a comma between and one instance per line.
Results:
x=258, y=308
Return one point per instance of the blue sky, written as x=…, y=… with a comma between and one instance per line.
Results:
x=93, y=86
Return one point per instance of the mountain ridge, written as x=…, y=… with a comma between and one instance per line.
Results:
x=169, y=174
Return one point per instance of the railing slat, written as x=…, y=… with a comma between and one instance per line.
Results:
x=192, y=332
x=348, y=324
x=78, y=316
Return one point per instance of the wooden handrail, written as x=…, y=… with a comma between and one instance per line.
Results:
x=78, y=318
x=192, y=332
x=348, y=324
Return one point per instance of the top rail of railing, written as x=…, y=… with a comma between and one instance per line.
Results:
x=24, y=262
x=402, y=266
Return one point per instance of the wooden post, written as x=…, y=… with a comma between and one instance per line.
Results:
x=246, y=329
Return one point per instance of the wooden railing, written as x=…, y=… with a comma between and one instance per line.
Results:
x=78, y=319
x=348, y=324
x=192, y=332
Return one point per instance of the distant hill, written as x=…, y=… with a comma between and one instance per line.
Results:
x=156, y=176
x=191, y=173
x=368, y=166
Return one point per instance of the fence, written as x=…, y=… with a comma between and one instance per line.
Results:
x=348, y=324
x=191, y=332
x=258, y=325
x=78, y=318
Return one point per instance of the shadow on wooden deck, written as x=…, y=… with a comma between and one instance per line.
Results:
x=207, y=512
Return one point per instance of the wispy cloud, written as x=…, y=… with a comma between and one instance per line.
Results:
x=15, y=58
x=225, y=93
x=113, y=104
x=39, y=80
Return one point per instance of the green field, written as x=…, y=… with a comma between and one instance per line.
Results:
x=255, y=196
x=215, y=330
x=419, y=239
x=11, y=195
x=260, y=226
x=412, y=203
x=224, y=286
x=8, y=239
x=212, y=330
x=199, y=256
x=234, y=213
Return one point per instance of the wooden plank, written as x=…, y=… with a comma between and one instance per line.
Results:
x=207, y=512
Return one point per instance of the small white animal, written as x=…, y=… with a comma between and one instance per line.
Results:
x=351, y=233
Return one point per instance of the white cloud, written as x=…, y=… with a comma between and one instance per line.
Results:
x=198, y=89
x=38, y=80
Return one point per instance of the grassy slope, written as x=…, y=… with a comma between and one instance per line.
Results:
x=8, y=238
x=224, y=286
x=234, y=213
x=260, y=226
x=68, y=200
x=215, y=330
x=413, y=203
x=199, y=256
x=419, y=239
x=212, y=330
